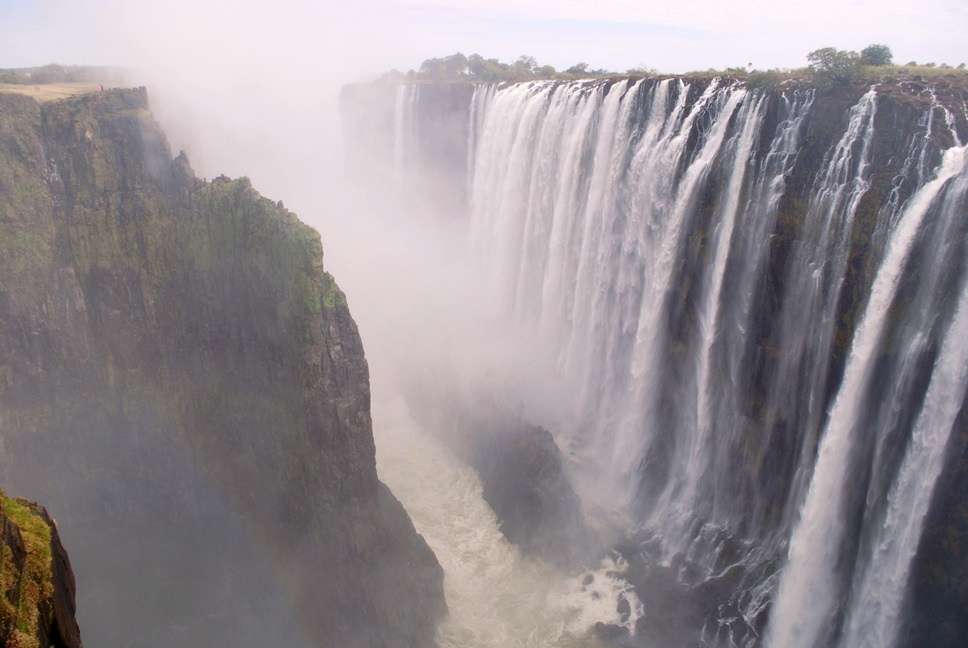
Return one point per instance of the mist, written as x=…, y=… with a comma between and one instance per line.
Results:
x=254, y=90
x=606, y=320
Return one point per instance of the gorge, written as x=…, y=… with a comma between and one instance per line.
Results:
x=634, y=360
x=181, y=383
x=753, y=299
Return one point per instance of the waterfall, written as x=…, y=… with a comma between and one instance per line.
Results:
x=754, y=300
x=709, y=311
x=874, y=615
x=678, y=499
x=404, y=139
x=583, y=196
x=479, y=103
x=808, y=588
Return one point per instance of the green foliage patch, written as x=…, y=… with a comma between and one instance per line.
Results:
x=827, y=66
x=25, y=590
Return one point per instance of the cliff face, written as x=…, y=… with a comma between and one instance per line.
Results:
x=37, y=599
x=183, y=384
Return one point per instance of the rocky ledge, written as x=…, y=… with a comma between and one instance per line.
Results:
x=36, y=581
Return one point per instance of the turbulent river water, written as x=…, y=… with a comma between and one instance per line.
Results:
x=497, y=597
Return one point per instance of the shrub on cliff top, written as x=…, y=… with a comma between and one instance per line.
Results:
x=830, y=64
x=876, y=54
x=475, y=67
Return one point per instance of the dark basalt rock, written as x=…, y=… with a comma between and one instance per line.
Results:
x=938, y=593
x=184, y=386
x=524, y=481
x=609, y=632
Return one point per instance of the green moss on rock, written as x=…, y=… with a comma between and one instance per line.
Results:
x=332, y=296
x=26, y=607
x=173, y=349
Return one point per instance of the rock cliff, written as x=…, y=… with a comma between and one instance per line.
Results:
x=37, y=600
x=183, y=385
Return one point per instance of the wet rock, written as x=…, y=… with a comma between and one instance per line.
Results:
x=36, y=581
x=624, y=609
x=525, y=482
x=182, y=383
x=609, y=632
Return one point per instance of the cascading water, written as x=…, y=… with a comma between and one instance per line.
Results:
x=694, y=254
x=403, y=119
x=808, y=588
x=874, y=614
x=606, y=184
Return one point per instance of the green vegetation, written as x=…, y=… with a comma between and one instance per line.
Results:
x=876, y=54
x=827, y=66
x=475, y=67
x=332, y=296
x=832, y=65
x=24, y=589
x=913, y=69
x=642, y=71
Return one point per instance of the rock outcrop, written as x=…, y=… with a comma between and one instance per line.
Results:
x=523, y=473
x=524, y=481
x=184, y=386
x=37, y=595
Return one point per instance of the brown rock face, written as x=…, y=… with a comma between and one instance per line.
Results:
x=183, y=385
x=37, y=605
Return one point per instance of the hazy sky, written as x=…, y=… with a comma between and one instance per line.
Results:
x=367, y=35
x=250, y=88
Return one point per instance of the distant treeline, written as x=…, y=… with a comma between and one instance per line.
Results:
x=477, y=68
x=826, y=65
x=54, y=73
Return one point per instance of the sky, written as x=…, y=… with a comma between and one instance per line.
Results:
x=251, y=88
x=367, y=36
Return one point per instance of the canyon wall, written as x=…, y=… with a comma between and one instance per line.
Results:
x=183, y=385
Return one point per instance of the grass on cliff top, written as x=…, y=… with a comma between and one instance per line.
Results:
x=865, y=74
x=50, y=91
x=37, y=576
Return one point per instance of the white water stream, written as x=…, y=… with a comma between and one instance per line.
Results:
x=808, y=589
x=496, y=597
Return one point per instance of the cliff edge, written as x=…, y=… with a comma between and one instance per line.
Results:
x=183, y=384
x=37, y=601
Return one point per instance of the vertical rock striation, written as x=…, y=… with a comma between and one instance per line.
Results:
x=184, y=386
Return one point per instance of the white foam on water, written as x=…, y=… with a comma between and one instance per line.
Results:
x=497, y=598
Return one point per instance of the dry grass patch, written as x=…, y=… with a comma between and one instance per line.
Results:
x=50, y=91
